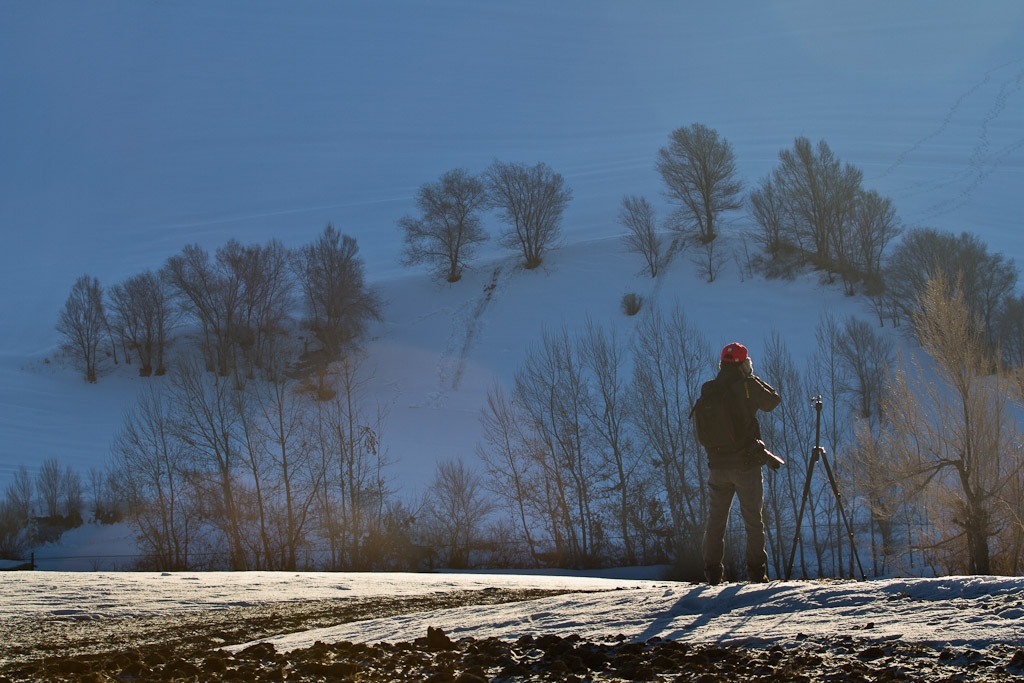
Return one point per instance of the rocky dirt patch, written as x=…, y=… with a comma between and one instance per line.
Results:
x=190, y=648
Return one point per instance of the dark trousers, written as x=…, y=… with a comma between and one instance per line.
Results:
x=748, y=486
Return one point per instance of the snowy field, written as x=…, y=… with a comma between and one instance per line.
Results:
x=974, y=612
x=970, y=612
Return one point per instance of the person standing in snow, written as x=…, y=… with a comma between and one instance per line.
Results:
x=738, y=471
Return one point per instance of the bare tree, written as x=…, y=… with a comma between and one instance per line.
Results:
x=349, y=444
x=605, y=359
x=831, y=380
x=81, y=323
x=699, y=171
x=20, y=494
x=954, y=432
x=875, y=225
x=985, y=280
x=260, y=493
x=1012, y=538
x=769, y=207
x=1010, y=325
x=710, y=260
x=207, y=420
x=210, y=293
x=153, y=468
x=240, y=298
x=264, y=298
x=71, y=497
x=506, y=452
x=458, y=507
x=48, y=487
x=14, y=532
x=821, y=195
x=143, y=315
x=830, y=376
x=867, y=357
x=16, y=512
x=531, y=200
x=873, y=484
x=106, y=508
x=642, y=237
x=449, y=229
x=561, y=454
x=671, y=358
x=789, y=429
x=552, y=390
x=286, y=474
x=338, y=302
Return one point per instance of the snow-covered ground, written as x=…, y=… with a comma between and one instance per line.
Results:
x=967, y=612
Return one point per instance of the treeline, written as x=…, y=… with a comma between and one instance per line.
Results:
x=242, y=299
x=811, y=211
x=36, y=509
x=262, y=475
x=588, y=459
x=238, y=303
x=263, y=450
x=595, y=460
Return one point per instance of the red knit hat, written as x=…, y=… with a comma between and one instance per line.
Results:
x=734, y=353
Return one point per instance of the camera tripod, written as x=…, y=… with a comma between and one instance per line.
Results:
x=819, y=454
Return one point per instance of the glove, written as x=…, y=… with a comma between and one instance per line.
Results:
x=747, y=367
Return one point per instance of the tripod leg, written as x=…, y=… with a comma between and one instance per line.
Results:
x=842, y=514
x=800, y=515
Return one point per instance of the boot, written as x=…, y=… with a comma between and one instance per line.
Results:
x=713, y=575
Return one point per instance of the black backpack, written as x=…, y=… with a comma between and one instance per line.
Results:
x=717, y=418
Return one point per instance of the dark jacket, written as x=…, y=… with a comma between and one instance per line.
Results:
x=750, y=394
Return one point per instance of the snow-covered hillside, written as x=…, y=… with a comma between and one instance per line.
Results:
x=129, y=131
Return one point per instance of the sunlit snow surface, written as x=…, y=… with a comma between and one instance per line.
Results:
x=972, y=612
